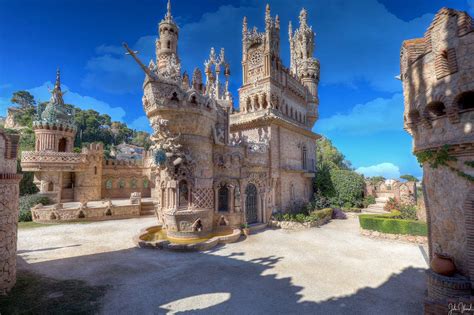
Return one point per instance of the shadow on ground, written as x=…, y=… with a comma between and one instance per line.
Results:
x=156, y=282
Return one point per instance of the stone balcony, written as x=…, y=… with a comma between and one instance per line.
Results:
x=53, y=161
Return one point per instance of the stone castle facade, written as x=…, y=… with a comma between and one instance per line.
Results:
x=9, y=193
x=438, y=81
x=210, y=164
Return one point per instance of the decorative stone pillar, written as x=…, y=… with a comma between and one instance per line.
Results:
x=9, y=193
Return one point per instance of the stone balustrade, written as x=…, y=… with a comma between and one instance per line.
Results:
x=31, y=161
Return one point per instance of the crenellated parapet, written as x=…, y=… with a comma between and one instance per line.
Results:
x=438, y=81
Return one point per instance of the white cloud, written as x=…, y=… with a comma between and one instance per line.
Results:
x=142, y=124
x=42, y=94
x=386, y=169
x=357, y=41
x=372, y=117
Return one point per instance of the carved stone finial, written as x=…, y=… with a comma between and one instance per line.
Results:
x=290, y=30
x=303, y=16
x=244, y=26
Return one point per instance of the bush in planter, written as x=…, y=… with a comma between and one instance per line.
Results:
x=27, y=202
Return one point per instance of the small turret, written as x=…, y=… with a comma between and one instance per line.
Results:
x=167, y=44
x=54, y=127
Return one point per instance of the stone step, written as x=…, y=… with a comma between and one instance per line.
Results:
x=257, y=227
x=374, y=211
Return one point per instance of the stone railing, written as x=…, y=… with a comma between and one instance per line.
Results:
x=33, y=161
x=52, y=157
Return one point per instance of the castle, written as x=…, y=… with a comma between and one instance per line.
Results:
x=437, y=72
x=210, y=164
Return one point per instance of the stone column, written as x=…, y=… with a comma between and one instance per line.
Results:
x=9, y=193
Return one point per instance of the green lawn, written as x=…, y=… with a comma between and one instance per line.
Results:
x=35, y=294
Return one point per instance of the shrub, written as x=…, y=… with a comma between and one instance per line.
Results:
x=390, y=225
x=355, y=210
x=29, y=201
x=302, y=217
x=348, y=187
x=408, y=212
x=368, y=200
x=320, y=202
x=338, y=214
x=391, y=205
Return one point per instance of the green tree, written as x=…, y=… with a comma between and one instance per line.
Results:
x=141, y=139
x=376, y=179
x=409, y=178
x=24, y=100
x=327, y=154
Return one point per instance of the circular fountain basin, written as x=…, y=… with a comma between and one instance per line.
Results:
x=156, y=237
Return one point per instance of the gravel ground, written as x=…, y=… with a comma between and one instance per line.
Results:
x=327, y=270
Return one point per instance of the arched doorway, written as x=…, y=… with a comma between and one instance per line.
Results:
x=251, y=204
x=62, y=145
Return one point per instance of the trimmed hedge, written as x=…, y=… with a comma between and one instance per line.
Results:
x=388, y=223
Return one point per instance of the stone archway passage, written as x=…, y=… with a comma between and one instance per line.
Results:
x=251, y=204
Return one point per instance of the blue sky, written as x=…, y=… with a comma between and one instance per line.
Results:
x=357, y=42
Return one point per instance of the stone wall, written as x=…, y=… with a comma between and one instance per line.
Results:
x=106, y=211
x=437, y=72
x=9, y=193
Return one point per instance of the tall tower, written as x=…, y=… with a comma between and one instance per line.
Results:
x=167, y=43
x=303, y=64
x=260, y=49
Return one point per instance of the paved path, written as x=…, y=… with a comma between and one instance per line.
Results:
x=327, y=270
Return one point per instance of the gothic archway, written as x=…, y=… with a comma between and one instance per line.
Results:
x=251, y=204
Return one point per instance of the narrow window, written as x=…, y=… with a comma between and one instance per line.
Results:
x=183, y=193
x=223, y=201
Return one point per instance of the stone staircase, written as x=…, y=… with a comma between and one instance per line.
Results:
x=147, y=208
x=377, y=207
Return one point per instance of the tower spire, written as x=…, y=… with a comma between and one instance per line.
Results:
x=168, y=13
x=57, y=85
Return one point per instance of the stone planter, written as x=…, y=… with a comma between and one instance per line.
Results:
x=245, y=231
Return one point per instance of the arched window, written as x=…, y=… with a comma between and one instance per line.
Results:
x=168, y=45
x=133, y=183
x=121, y=183
x=108, y=184
x=436, y=109
x=183, y=193
x=466, y=100
x=146, y=183
x=62, y=145
x=50, y=186
x=304, y=157
x=223, y=198
x=95, y=170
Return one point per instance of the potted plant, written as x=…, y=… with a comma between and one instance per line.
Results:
x=442, y=264
x=244, y=227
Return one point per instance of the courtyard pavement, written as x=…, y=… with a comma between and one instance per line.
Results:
x=327, y=270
